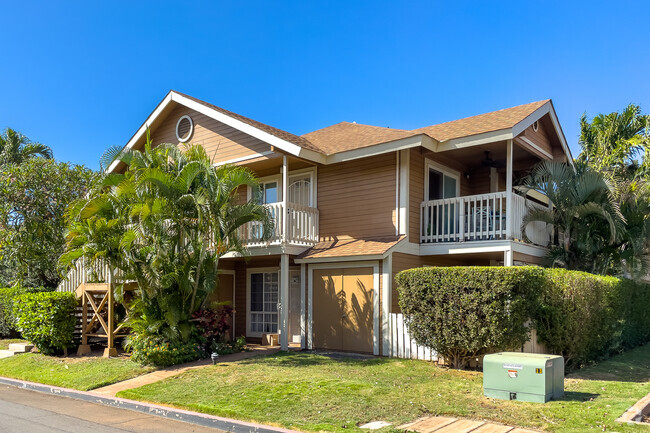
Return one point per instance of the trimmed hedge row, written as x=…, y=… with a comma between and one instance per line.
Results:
x=464, y=312
x=47, y=320
x=7, y=296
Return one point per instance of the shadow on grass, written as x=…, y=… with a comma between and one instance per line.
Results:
x=578, y=396
x=630, y=366
x=308, y=358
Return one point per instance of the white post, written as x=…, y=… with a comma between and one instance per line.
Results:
x=509, y=190
x=303, y=329
x=507, y=257
x=284, y=302
x=386, y=297
x=285, y=193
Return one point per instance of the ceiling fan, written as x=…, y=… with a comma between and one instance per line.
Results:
x=489, y=162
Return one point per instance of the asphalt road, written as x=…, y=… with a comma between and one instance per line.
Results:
x=23, y=411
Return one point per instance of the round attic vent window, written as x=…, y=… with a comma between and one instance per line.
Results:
x=535, y=126
x=184, y=128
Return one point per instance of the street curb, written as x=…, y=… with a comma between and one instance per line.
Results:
x=204, y=420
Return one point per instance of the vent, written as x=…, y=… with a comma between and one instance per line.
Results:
x=184, y=128
x=535, y=126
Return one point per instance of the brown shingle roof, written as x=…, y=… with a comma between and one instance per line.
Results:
x=349, y=136
x=488, y=122
x=284, y=135
x=351, y=247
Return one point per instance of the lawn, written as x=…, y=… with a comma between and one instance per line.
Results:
x=77, y=373
x=317, y=393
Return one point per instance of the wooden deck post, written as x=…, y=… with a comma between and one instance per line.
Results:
x=84, y=347
x=110, y=332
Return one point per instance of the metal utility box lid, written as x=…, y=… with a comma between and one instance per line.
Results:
x=523, y=376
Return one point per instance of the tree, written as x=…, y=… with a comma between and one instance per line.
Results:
x=164, y=223
x=617, y=143
x=585, y=215
x=15, y=148
x=33, y=200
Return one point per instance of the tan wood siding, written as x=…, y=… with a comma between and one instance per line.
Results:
x=527, y=258
x=357, y=198
x=221, y=142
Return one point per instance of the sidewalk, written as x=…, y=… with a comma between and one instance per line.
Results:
x=156, y=376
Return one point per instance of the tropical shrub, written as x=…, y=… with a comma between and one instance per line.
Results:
x=212, y=324
x=463, y=312
x=7, y=296
x=155, y=350
x=47, y=320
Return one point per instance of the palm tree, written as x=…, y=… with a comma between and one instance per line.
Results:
x=165, y=223
x=612, y=142
x=585, y=215
x=16, y=148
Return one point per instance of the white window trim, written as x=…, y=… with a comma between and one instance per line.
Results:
x=191, y=131
x=268, y=179
x=250, y=271
x=375, y=297
x=429, y=164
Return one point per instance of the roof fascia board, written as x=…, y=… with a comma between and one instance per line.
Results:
x=475, y=140
x=530, y=119
x=288, y=147
x=536, y=115
x=535, y=147
x=378, y=149
x=143, y=129
x=338, y=259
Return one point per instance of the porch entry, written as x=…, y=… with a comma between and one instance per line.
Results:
x=442, y=185
x=264, y=304
x=343, y=311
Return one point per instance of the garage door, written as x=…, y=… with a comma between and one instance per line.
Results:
x=343, y=309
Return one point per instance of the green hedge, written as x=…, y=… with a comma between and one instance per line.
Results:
x=47, y=320
x=462, y=312
x=7, y=296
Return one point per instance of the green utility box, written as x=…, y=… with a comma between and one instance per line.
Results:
x=523, y=376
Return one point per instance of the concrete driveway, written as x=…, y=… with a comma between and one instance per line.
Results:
x=29, y=411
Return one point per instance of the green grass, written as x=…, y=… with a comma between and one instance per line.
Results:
x=4, y=344
x=315, y=393
x=77, y=373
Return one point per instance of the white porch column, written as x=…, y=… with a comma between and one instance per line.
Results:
x=303, y=321
x=508, y=257
x=284, y=302
x=285, y=193
x=386, y=301
x=509, y=190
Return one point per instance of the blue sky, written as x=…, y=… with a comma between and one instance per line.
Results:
x=83, y=76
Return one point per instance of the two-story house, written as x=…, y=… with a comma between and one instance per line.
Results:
x=355, y=204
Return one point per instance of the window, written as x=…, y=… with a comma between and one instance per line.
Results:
x=269, y=193
x=441, y=185
x=264, y=302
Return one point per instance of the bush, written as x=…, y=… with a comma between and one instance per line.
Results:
x=7, y=295
x=154, y=350
x=587, y=317
x=463, y=312
x=47, y=320
x=212, y=324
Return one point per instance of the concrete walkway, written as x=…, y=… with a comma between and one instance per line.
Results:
x=442, y=424
x=156, y=376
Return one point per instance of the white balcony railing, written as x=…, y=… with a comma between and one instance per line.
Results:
x=302, y=227
x=476, y=218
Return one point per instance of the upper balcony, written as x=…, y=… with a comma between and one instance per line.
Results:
x=300, y=227
x=480, y=217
